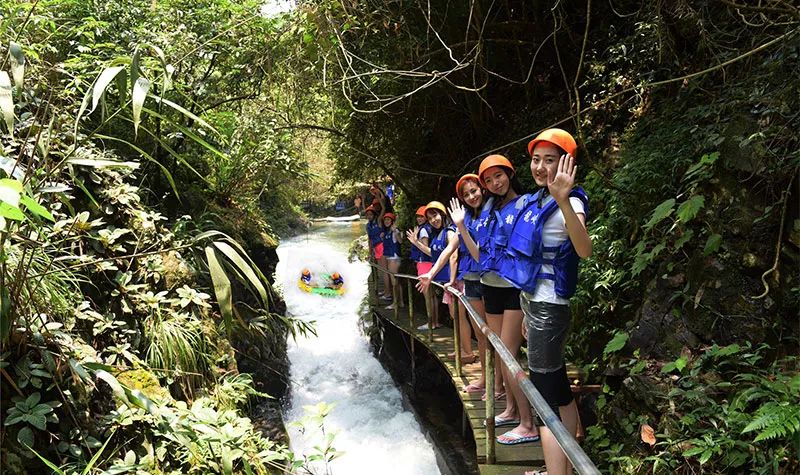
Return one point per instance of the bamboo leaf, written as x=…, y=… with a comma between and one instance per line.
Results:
x=7, y=102
x=49, y=464
x=101, y=163
x=147, y=156
x=102, y=83
x=138, y=96
x=36, y=208
x=222, y=287
x=97, y=455
x=17, y=63
x=185, y=112
x=116, y=387
x=188, y=133
x=135, y=68
x=175, y=154
x=253, y=281
x=10, y=191
x=11, y=212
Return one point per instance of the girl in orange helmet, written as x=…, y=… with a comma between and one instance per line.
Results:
x=391, y=252
x=422, y=232
x=442, y=233
x=500, y=296
x=547, y=245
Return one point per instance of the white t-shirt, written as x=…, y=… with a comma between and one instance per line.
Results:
x=554, y=233
x=423, y=233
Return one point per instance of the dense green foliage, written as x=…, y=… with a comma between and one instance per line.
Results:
x=132, y=138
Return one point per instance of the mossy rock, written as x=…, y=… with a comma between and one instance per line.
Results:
x=146, y=382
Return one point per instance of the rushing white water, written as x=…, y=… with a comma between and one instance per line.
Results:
x=374, y=433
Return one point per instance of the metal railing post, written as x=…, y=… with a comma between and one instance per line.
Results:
x=489, y=385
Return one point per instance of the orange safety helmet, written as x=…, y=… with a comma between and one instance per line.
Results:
x=391, y=216
x=437, y=206
x=335, y=275
x=420, y=211
x=560, y=138
x=464, y=179
x=494, y=161
x=306, y=272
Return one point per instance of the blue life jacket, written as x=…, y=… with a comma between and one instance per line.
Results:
x=465, y=261
x=496, y=228
x=529, y=254
x=374, y=232
x=416, y=254
x=390, y=247
x=438, y=244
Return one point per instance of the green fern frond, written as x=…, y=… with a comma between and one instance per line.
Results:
x=775, y=420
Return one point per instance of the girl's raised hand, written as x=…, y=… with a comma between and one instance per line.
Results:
x=456, y=211
x=560, y=183
x=412, y=235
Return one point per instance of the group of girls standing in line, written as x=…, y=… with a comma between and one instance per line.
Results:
x=515, y=257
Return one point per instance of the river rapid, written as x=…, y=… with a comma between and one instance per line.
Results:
x=374, y=433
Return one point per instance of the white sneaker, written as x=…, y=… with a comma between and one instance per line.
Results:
x=422, y=327
x=390, y=307
x=386, y=297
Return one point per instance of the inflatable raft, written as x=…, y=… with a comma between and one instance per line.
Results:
x=331, y=285
x=326, y=291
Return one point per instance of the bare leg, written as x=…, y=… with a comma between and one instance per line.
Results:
x=477, y=304
x=495, y=323
x=387, y=283
x=394, y=266
x=554, y=458
x=465, y=330
x=511, y=335
x=435, y=308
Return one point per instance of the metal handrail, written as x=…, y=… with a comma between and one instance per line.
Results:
x=580, y=461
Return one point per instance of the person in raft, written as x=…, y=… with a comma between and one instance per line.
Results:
x=391, y=252
x=441, y=234
x=422, y=231
x=500, y=296
x=336, y=282
x=547, y=244
x=306, y=277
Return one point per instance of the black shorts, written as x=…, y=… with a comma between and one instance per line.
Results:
x=497, y=300
x=473, y=289
x=555, y=389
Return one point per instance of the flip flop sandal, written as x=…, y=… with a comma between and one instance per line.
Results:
x=501, y=422
x=512, y=438
x=473, y=388
x=497, y=396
